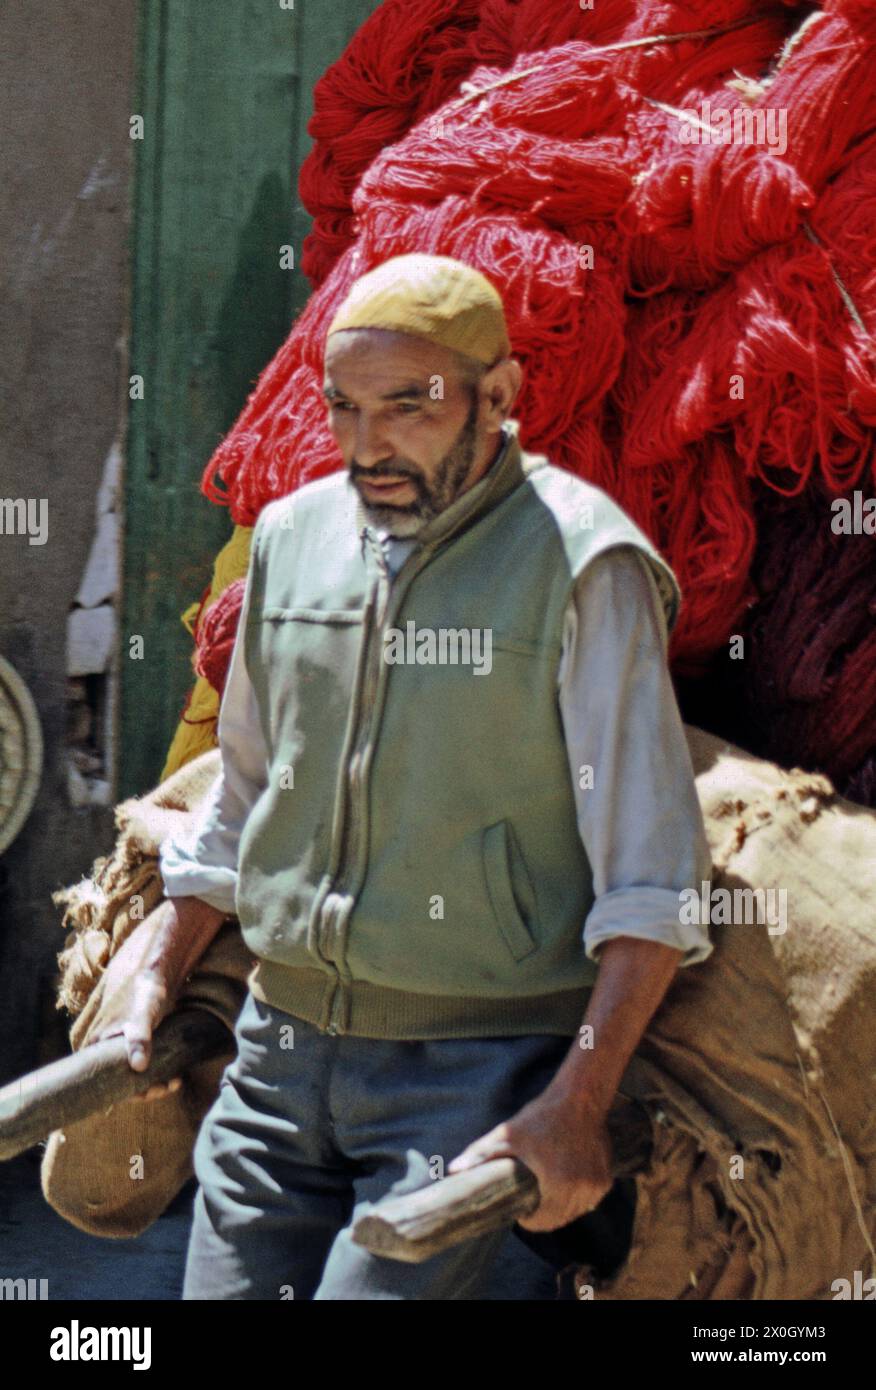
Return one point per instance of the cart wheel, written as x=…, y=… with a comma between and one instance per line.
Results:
x=21, y=753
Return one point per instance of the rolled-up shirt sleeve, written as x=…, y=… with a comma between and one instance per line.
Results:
x=204, y=864
x=640, y=821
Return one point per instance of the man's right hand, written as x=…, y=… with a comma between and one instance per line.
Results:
x=143, y=979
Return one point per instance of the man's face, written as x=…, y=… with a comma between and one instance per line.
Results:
x=406, y=423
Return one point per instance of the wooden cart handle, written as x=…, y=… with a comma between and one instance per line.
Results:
x=98, y=1076
x=414, y=1226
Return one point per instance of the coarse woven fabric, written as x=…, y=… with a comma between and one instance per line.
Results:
x=765, y=1053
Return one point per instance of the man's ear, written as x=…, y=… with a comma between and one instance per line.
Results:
x=499, y=390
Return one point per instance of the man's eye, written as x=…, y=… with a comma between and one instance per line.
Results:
x=341, y=405
x=408, y=407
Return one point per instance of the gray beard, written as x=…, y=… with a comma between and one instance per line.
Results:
x=432, y=497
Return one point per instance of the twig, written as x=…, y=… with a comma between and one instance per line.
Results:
x=597, y=52
x=793, y=40
x=682, y=115
x=846, y=297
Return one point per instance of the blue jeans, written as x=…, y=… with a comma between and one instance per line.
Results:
x=302, y=1136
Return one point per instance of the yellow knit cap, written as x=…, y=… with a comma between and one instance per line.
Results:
x=431, y=297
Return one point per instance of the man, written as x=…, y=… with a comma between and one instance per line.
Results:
x=454, y=778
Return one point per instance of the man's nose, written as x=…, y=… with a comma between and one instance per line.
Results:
x=371, y=447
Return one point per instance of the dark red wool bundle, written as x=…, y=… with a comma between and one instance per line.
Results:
x=724, y=289
x=808, y=678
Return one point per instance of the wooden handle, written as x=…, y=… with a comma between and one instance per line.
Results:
x=417, y=1225
x=414, y=1226
x=98, y=1076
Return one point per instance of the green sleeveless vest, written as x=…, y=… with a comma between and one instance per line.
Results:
x=414, y=868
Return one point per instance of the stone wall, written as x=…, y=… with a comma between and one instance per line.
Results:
x=66, y=78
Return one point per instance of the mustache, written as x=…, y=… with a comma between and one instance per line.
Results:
x=368, y=473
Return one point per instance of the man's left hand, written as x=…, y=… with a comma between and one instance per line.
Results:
x=567, y=1147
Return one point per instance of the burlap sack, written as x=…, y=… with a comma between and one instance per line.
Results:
x=765, y=1053
x=125, y=886
x=115, y=1173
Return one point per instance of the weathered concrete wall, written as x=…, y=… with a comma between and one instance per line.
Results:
x=66, y=78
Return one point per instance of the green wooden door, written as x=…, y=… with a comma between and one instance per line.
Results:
x=224, y=90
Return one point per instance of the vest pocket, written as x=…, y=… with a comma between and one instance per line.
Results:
x=501, y=857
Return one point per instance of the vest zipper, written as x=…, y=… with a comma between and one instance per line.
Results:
x=351, y=821
x=326, y=910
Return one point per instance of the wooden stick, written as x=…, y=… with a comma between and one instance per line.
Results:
x=846, y=298
x=414, y=1226
x=621, y=46
x=417, y=1225
x=99, y=1076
